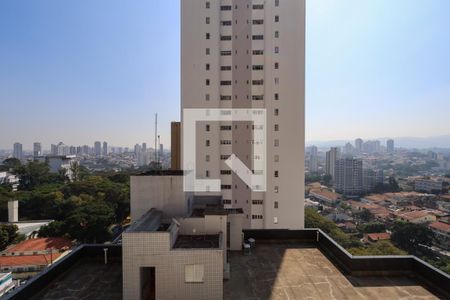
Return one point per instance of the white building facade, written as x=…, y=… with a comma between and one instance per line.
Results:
x=249, y=54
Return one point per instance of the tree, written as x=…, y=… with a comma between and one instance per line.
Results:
x=326, y=179
x=393, y=185
x=378, y=248
x=11, y=163
x=410, y=237
x=373, y=227
x=32, y=175
x=315, y=220
x=364, y=215
x=8, y=235
x=53, y=229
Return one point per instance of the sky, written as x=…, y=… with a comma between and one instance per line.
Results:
x=81, y=71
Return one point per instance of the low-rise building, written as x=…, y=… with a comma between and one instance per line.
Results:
x=375, y=237
x=441, y=232
x=324, y=195
x=6, y=283
x=429, y=185
x=416, y=217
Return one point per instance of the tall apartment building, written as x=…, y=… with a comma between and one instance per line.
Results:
x=349, y=176
x=97, y=148
x=37, y=149
x=105, y=149
x=17, y=151
x=313, y=159
x=330, y=161
x=390, y=146
x=248, y=54
x=358, y=145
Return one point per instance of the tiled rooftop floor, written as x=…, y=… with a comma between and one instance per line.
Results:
x=87, y=279
x=286, y=270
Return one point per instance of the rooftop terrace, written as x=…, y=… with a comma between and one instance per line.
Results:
x=295, y=270
x=302, y=264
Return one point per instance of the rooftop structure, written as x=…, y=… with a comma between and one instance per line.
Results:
x=294, y=264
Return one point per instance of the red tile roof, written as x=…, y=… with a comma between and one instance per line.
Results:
x=41, y=244
x=416, y=214
x=379, y=236
x=440, y=226
x=28, y=260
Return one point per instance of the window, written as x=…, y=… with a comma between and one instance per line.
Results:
x=207, y=4
x=207, y=81
x=207, y=67
x=277, y=49
x=225, y=37
x=276, y=96
x=275, y=204
x=258, y=52
x=258, y=82
x=225, y=142
x=277, y=18
x=225, y=127
x=276, y=127
x=276, y=143
x=225, y=172
x=226, y=23
x=226, y=201
x=208, y=51
x=276, y=66
x=225, y=68
x=275, y=189
x=225, y=7
x=194, y=273
x=224, y=157
x=276, y=111
x=208, y=35
x=208, y=143
x=207, y=97
x=258, y=22
x=277, y=3
x=207, y=127
x=257, y=202
x=257, y=217
x=225, y=53
x=258, y=6
x=258, y=97
x=225, y=97
x=225, y=186
x=277, y=80
x=258, y=67
x=275, y=174
x=207, y=158
x=277, y=34
x=275, y=220
x=276, y=158
x=207, y=20
x=258, y=37
x=225, y=82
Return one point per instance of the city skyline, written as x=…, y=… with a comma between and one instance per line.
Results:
x=388, y=58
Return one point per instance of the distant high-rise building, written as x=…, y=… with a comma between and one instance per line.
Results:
x=97, y=148
x=371, y=147
x=105, y=149
x=144, y=147
x=349, y=176
x=72, y=150
x=17, y=152
x=137, y=149
x=348, y=149
x=60, y=149
x=86, y=150
x=358, y=146
x=175, y=146
x=390, y=146
x=372, y=178
x=330, y=161
x=313, y=159
x=37, y=149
